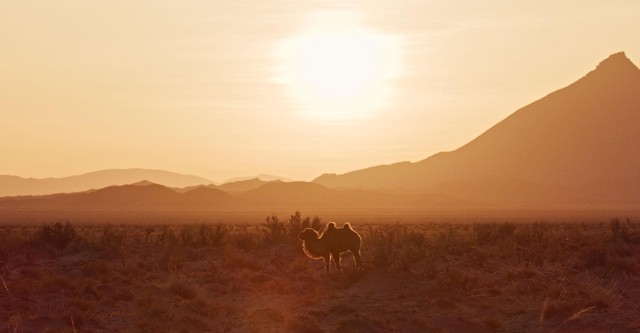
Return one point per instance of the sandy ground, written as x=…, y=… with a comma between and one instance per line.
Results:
x=140, y=284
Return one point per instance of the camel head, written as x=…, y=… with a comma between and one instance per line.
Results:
x=308, y=234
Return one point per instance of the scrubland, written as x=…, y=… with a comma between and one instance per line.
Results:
x=254, y=277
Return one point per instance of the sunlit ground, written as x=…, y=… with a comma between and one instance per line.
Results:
x=436, y=277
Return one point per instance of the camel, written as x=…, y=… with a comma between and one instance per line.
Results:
x=331, y=243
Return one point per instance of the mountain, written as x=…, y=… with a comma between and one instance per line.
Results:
x=302, y=194
x=306, y=195
x=576, y=147
x=13, y=185
x=141, y=196
x=190, y=188
x=244, y=185
x=209, y=198
x=263, y=176
x=146, y=196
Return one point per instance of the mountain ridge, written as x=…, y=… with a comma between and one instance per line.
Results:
x=147, y=196
x=15, y=185
x=569, y=140
x=573, y=148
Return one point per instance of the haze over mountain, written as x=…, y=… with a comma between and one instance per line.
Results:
x=141, y=196
x=263, y=177
x=149, y=197
x=233, y=187
x=14, y=185
x=576, y=147
x=243, y=185
x=307, y=195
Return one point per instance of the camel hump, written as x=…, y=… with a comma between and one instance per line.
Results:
x=347, y=225
x=331, y=225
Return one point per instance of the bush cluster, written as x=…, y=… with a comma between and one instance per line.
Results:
x=58, y=234
x=287, y=231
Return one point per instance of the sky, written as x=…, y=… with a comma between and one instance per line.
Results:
x=225, y=89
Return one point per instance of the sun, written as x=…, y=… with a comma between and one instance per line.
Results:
x=337, y=69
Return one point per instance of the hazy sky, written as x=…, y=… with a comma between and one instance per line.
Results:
x=292, y=88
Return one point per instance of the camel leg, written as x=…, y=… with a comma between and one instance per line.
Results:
x=357, y=259
x=327, y=262
x=336, y=260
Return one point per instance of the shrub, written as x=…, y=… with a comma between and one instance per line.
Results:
x=382, y=245
x=281, y=232
x=167, y=235
x=246, y=241
x=276, y=229
x=316, y=223
x=483, y=233
x=9, y=241
x=112, y=238
x=218, y=235
x=59, y=235
x=538, y=231
x=297, y=224
x=615, y=229
x=413, y=249
x=188, y=235
x=203, y=235
x=570, y=296
x=620, y=232
x=505, y=230
x=451, y=242
x=492, y=233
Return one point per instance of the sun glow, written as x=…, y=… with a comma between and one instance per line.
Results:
x=337, y=69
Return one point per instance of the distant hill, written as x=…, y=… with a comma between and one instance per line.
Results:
x=263, y=176
x=576, y=147
x=149, y=197
x=142, y=196
x=244, y=185
x=302, y=194
x=306, y=195
x=13, y=185
x=189, y=188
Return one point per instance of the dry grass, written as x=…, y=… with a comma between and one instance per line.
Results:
x=436, y=277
